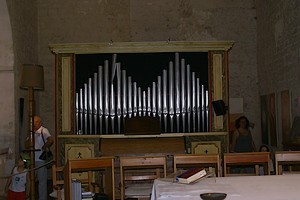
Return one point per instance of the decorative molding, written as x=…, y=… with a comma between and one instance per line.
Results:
x=207, y=147
x=79, y=151
x=218, y=86
x=66, y=93
x=165, y=135
x=145, y=47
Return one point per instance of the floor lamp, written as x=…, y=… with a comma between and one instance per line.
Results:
x=32, y=78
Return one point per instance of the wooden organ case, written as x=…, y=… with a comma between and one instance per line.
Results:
x=97, y=137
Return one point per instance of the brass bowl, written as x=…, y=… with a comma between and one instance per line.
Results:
x=213, y=196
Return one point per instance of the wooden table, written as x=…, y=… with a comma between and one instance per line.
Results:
x=93, y=164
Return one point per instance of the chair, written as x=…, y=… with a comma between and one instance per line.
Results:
x=58, y=182
x=205, y=160
x=247, y=159
x=135, y=170
x=89, y=165
x=288, y=158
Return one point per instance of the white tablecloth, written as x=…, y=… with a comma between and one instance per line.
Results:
x=281, y=187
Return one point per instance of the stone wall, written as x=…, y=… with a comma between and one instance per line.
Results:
x=7, y=117
x=18, y=42
x=23, y=19
x=278, y=52
x=133, y=20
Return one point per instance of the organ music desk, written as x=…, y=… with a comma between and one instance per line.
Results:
x=93, y=164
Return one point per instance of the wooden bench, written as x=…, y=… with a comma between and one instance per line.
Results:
x=288, y=158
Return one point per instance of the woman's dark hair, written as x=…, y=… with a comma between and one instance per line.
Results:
x=237, y=122
x=264, y=145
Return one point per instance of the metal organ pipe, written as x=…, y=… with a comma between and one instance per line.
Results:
x=134, y=99
x=183, y=94
x=149, y=101
x=153, y=99
x=144, y=103
x=85, y=108
x=77, y=112
x=188, y=90
x=124, y=84
x=159, y=100
x=129, y=97
x=112, y=108
x=81, y=110
x=165, y=102
x=95, y=103
x=140, y=101
x=207, y=109
x=177, y=98
x=198, y=105
x=106, y=95
x=112, y=94
x=124, y=99
x=119, y=107
x=203, y=107
x=194, y=93
x=177, y=91
x=159, y=106
x=90, y=107
x=171, y=96
x=100, y=98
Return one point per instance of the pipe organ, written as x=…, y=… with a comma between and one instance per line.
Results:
x=109, y=96
x=99, y=105
x=91, y=113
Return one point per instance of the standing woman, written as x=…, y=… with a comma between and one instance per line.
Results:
x=242, y=140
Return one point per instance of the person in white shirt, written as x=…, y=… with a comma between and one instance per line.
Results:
x=43, y=141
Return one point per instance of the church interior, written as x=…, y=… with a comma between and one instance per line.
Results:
x=125, y=81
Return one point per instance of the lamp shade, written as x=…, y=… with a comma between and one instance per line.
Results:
x=32, y=76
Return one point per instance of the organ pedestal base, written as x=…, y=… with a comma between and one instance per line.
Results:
x=135, y=145
x=117, y=145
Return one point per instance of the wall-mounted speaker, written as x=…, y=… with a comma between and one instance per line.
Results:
x=219, y=107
